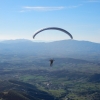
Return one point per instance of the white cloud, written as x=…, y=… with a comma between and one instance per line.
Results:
x=74, y=6
x=40, y=8
x=93, y=1
x=28, y=8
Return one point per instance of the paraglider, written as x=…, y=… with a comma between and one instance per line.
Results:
x=52, y=28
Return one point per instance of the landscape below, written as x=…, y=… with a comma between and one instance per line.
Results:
x=25, y=72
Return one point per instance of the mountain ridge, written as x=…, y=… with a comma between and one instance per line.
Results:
x=63, y=48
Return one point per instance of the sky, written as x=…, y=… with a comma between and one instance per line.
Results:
x=20, y=19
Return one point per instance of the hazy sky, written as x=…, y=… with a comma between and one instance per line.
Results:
x=19, y=19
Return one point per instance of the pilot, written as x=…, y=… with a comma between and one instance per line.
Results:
x=51, y=62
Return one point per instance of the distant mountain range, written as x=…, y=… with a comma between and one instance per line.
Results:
x=64, y=48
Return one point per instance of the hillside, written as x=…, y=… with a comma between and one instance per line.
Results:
x=16, y=90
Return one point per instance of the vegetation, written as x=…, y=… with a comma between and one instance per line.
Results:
x=76, y=83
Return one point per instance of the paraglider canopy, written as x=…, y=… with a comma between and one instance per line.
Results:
x=52, y=28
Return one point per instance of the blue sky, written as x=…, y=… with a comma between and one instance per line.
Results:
x=19, y=19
